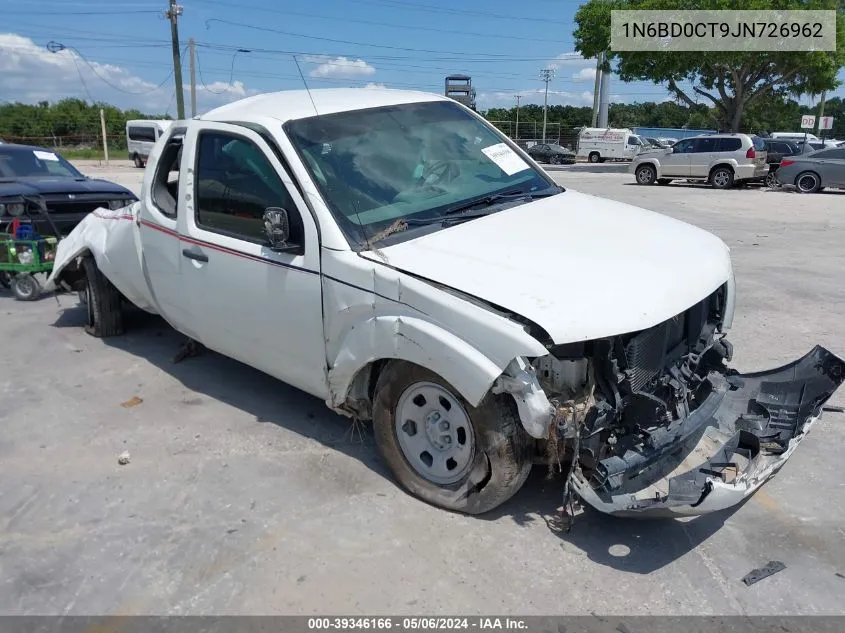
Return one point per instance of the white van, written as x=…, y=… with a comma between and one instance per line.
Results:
x=598, y=144
x=141, y=135
x=795, y=136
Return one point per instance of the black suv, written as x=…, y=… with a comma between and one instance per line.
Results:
x=777, y=149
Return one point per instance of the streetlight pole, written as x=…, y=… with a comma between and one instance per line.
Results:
x=547, y=74
x=516, y=135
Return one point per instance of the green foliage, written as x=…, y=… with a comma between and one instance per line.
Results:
x=770, y=114
x=69, y=121
x=730, y=82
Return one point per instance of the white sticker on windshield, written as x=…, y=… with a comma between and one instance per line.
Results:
x=507, y=159
x=45, y=155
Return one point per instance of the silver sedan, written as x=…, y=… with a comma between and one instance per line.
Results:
x=814, y=171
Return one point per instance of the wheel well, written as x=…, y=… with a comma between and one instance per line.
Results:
x=648, y=163
x=73, y=275
x=362, y=389
x=715, y=167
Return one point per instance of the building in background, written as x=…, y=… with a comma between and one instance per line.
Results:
x=459, y=88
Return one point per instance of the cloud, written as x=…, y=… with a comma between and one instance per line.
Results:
x=65, y=74
x=568, y=60
x=585, y=74
x=340, y=67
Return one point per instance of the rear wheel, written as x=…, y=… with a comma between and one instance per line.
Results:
x=139, y=162
x=443, y=450
x=646, y=175
x=771, y=179
x=25, y=287
x=5, y=279
x=722, y=178
x=594, y=157
x=103, y=303
x=808, y=182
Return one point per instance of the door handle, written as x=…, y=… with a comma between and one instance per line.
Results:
x=200, y=257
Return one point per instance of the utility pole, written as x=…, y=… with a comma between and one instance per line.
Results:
x=192, y=47
x=547, y=74
x=604, y=99
x=105, y=142
x=173, y=12
x=821, y=112
x=516, y=135
x=597, y=88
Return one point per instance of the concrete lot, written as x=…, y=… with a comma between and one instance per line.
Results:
x=246, y=496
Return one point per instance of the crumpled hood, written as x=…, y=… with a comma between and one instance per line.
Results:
x=579, y=266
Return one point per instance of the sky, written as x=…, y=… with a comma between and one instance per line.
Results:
x=119, y=51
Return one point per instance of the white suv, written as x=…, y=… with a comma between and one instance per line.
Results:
x=721, y=159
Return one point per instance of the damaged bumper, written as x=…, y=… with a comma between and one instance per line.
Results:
x=731, y=444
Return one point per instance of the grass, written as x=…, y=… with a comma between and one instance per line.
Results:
x=89, y=154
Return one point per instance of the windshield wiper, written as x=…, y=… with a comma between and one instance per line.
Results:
x=492, y=199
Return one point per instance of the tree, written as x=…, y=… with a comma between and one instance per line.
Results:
x=730, y=81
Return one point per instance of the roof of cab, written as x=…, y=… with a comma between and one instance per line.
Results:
x=296, y=104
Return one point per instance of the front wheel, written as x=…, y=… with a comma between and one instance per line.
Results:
x=443, y=450
x=139, y=162
x=103, y=302
x=555, y=160
x=646, y=175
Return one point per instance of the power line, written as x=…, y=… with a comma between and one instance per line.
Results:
x=428, y=8
x=337, y=41
x=56, y=47
x=381, y=24
x=52, y=13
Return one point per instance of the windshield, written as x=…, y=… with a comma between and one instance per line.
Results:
x=415, y=161
x=27, y=162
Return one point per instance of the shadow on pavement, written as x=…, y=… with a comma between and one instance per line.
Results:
x=635, y=546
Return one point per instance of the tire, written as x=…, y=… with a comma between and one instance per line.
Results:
x=554, y=160
x=5, y=279
x=664, y=181
x=491, y=464
x=646, y=174
x=103, y=303
x=25, y=287
x=808, y=182
x=594, y=157
x=722, y=178
x=772, y=179
x=139, y=162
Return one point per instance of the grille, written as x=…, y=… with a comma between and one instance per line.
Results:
x=85, y=206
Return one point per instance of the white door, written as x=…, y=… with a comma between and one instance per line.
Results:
x=250, y=302
x=676, y=162
x=704, y=154
x=162, y=258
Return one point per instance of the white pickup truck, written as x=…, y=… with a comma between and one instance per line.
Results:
x=393, y=254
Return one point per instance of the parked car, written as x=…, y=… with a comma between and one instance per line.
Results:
x=668, y=142
x=809, y=147
x=655, y=142
x=551, y=153
x=813, y=172
x=383, y=256
x=141, y=135
x=720, y=159
x=776, y=150
x=69, y=195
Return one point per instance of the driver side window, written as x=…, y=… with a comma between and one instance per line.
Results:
x=682, y=147
x=235, y=185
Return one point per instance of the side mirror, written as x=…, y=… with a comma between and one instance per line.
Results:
x=277, y=227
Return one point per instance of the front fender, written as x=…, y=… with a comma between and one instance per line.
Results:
x=417, y=341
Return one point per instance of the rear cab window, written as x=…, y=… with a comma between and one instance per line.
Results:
x=759, y=144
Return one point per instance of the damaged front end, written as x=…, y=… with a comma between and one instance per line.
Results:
x=660, y=425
